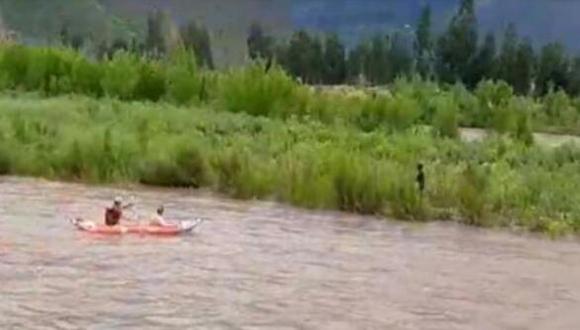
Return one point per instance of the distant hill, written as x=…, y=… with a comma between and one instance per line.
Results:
x=40, y=21
x=541, y=20
x=227, y=20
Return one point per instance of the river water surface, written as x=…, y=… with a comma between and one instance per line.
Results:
x=265, y=266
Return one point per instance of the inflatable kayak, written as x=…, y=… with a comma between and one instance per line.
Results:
x=140, y=229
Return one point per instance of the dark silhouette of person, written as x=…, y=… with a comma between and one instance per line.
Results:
x=420, y=178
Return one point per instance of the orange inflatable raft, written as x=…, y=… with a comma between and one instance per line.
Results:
x=140, y=229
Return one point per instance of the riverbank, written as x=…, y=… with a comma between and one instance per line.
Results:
x=496, y=181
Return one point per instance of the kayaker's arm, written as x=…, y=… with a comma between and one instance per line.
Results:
x=128, y=206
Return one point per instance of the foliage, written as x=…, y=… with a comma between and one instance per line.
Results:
x=333, y=165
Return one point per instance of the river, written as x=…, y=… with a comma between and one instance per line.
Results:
x=259, y=265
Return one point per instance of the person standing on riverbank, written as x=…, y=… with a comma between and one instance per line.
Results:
x=420, y=178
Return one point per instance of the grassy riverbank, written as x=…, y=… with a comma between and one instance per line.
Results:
x=268, y=91
x=309, y=163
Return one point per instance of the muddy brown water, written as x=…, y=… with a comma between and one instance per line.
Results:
x=256, y=265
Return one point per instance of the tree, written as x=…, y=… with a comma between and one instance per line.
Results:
x=119, y=44
x=400, y=55
x=296, y=58
x=574, y=77
x=356, y=62
x=259, y=44
x=65, y=34
x=424, y=44
x=376, y=67
x=154, y=37
x=508, y=55
x=458, y=46
x=517, y=61
x=424, y=41
x=334, y=60
x=303, y=58
x=77, y=42
x=524, y=67
x=552, y=68
x=158, y=33
x=484, y=64
x=196, y=37
x=316, y=61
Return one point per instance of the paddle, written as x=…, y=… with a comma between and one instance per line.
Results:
x=132, y=205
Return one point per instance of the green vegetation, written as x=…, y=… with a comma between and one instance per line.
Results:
x=457, y=55
x=496, y=182
x=266, y=90
x=55, y=20
x=254, y=132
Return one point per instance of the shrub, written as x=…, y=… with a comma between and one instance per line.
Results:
x=391, y=113
x=358, y=185
x=184, y=167
x=4, y=161
x=446, y=120
x=256, y=91
x=472, y=194
x=14, y=64
x=184, y=81
x=121, y=75
x=559, y=110
x=305, y=180
x=151, y=83
x=86, y=77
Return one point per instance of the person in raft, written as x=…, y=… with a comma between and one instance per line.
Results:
x=114, y=214
x=158, y=220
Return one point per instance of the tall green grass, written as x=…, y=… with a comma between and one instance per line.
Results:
x=261, y=90
x=495, y=182
x=254, y=132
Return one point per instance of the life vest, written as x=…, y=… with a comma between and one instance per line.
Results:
x=112, y=216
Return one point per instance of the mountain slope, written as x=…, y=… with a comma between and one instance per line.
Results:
x=227, y=20
x=42, y=20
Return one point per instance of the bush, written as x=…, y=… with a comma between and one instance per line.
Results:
x=406, y=201
x=184, y=82
x=523, y=131
x=86, y=77
x=227, y=166
x=151, y=83
x=359, y=186
x=491, y=96
x=395, y=113
x=14, y=64
x=503, y=119
x=446, y=119
x=472, y=194
x=121, y=75
x=304, y=180
x=559, y=110
x=256, y=91
x=4, y=161
x=49, y=70
x=185, y=167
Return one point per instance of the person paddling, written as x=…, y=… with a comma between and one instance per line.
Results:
x=114, y=214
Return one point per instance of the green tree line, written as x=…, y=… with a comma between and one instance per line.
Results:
x=459, y=54
x=161, y=35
